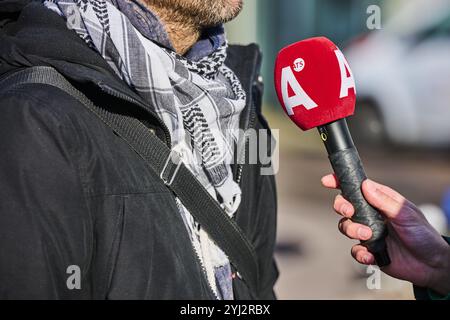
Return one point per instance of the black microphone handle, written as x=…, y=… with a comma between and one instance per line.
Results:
x=350, y=173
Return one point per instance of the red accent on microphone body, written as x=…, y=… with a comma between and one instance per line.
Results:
x=309, y=79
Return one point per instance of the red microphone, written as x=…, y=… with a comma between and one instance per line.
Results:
x=316, y=88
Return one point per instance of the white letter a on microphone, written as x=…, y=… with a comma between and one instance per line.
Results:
x=299, y=98
x=346, y=82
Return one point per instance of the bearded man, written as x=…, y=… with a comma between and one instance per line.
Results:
x=81, y=214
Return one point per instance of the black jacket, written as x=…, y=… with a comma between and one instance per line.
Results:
x=73, y=193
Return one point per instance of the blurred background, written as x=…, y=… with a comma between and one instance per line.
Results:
x=401, y=127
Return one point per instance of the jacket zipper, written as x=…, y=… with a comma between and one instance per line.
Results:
x=127, y=98
x=200, y=261
x=240, y=165
x=250, y=124
x=205, y=274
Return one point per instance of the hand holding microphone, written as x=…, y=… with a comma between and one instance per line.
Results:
x=418, y=252
x=316, y=88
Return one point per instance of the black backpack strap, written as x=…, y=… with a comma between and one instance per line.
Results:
x=221, y=228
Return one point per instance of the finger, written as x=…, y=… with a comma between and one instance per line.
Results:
x=387, y=190
x=330, y=181
x=386, y=200
x=343, y=207
x=354, y=230
x=394, y=194
x=362, y=255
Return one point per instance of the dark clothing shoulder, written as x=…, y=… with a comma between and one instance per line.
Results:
x=74, y=194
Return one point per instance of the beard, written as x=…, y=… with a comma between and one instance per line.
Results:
x=204, y=13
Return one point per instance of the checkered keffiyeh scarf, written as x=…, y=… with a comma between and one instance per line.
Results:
x=200, y=103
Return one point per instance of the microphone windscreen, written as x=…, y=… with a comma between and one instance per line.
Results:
x=314, y=83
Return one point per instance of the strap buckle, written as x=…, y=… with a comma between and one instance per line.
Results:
x=168, y=174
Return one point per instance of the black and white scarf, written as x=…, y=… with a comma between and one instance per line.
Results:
x=200, y=102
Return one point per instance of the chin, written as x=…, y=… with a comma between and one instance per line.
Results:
x=235, y=3
x=230, y=9
x=204, y=13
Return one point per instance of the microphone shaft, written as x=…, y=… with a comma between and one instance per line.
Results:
x=350, y=173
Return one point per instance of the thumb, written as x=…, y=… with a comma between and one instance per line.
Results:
x=383, y=198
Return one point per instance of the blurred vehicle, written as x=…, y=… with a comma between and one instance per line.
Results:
x=435, y=216
x=402, y=75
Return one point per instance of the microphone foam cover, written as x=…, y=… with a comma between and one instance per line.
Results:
x=314, y=83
